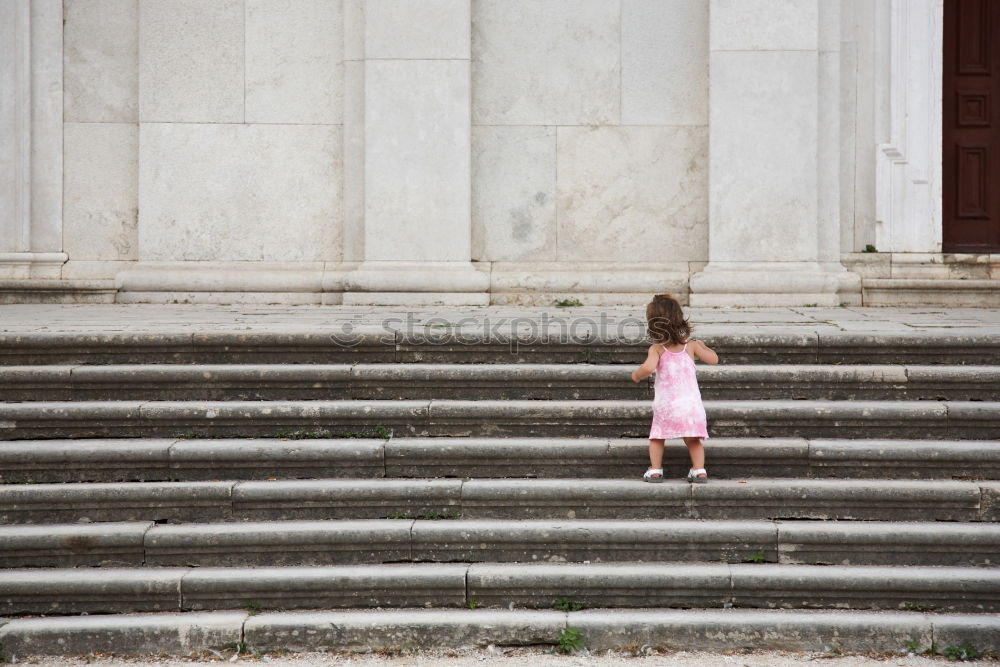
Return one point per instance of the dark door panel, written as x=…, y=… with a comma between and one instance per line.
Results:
x=971, y=126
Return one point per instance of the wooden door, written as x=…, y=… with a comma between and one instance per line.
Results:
x=971, y=126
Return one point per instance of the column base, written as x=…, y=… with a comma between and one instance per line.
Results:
x=385, y=283
x=37, y=265
x=764, y=284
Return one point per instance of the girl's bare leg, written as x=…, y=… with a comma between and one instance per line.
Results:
x=696, y=450
x=655, y=453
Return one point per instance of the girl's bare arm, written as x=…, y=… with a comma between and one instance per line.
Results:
x=705, y=353
x=648, y=366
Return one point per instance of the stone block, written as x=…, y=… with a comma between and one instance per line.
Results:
x=538, y=418
x=899, y=544
x=191, y=64
x=757, y=25
x=890, y=500
x=901, y=459
x=278, y=543
x=728, y=458
x=85, y=545
x=221, y=192
x=148, y=501
x=720, y=630
x=495, y=457
x=417, y=160
x=346, y=499
x=494, y=381
x=574, y=499
x=92, y=591
x=578, y=40
x=945, y=589
x=260, y=418
x=411, y=585
x=264, y=458
x=294, y=61
x=513, y=193
x=539, y=585
x=664, y=62
x=174, y=634
x=78, y=419
x=590, y=541
x=101, y=61
x=101, y=199
x=363, y=631
x=89, y=460
x=990, y=503
x=981, y=631
x=425, y=30
x=781, y=196
x=817, y=419
x=633, y=193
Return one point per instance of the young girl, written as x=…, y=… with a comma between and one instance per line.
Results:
x=677, y=408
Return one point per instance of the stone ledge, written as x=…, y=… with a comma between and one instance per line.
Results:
x=419, y=381
x=501, y=499
x=122, y=460
x=445, y=417
x=531, y=585
x=931, y=292
x=374, y=343
x=352, y=542
x=364, y=630
x=57, y=291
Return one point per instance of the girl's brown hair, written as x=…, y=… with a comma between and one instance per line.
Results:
x=666, y=322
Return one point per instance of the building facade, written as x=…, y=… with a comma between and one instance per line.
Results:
x=733, y=152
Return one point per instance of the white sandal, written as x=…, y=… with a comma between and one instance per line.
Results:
x=648, y=476
x=693, y=477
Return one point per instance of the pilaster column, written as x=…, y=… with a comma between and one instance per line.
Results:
x=412, y=144
x=773, y=168
x=31, y=139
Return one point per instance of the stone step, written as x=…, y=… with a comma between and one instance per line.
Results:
x=445, y=417
x=224, y=382
x=165, y=459
x=352, y=542
x=878, y=500
x=531, y=585
x=584, y=343
x=367, y=630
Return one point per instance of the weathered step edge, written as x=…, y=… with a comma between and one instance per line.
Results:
x=362, y=631
x=445, y=417
x=163, y=459
x=888, y=500
x=482, y=381
x=374, y=541
x=380, y=345
x=497, y=585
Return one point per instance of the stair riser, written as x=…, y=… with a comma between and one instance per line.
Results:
x=478, y=382
x=207, y=391
x=273, y=501
x=191, y=460
x=895, y=429
x=805, y=348
x=687, y=630
x=348, y=543
x=703, y=586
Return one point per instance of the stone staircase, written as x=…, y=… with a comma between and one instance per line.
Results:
x=292, y=491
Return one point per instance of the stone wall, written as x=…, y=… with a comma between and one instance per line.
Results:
x=212, y=131
x=202, y=131
x=466, y=151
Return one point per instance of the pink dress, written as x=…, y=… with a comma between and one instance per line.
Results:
x=677, y=408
